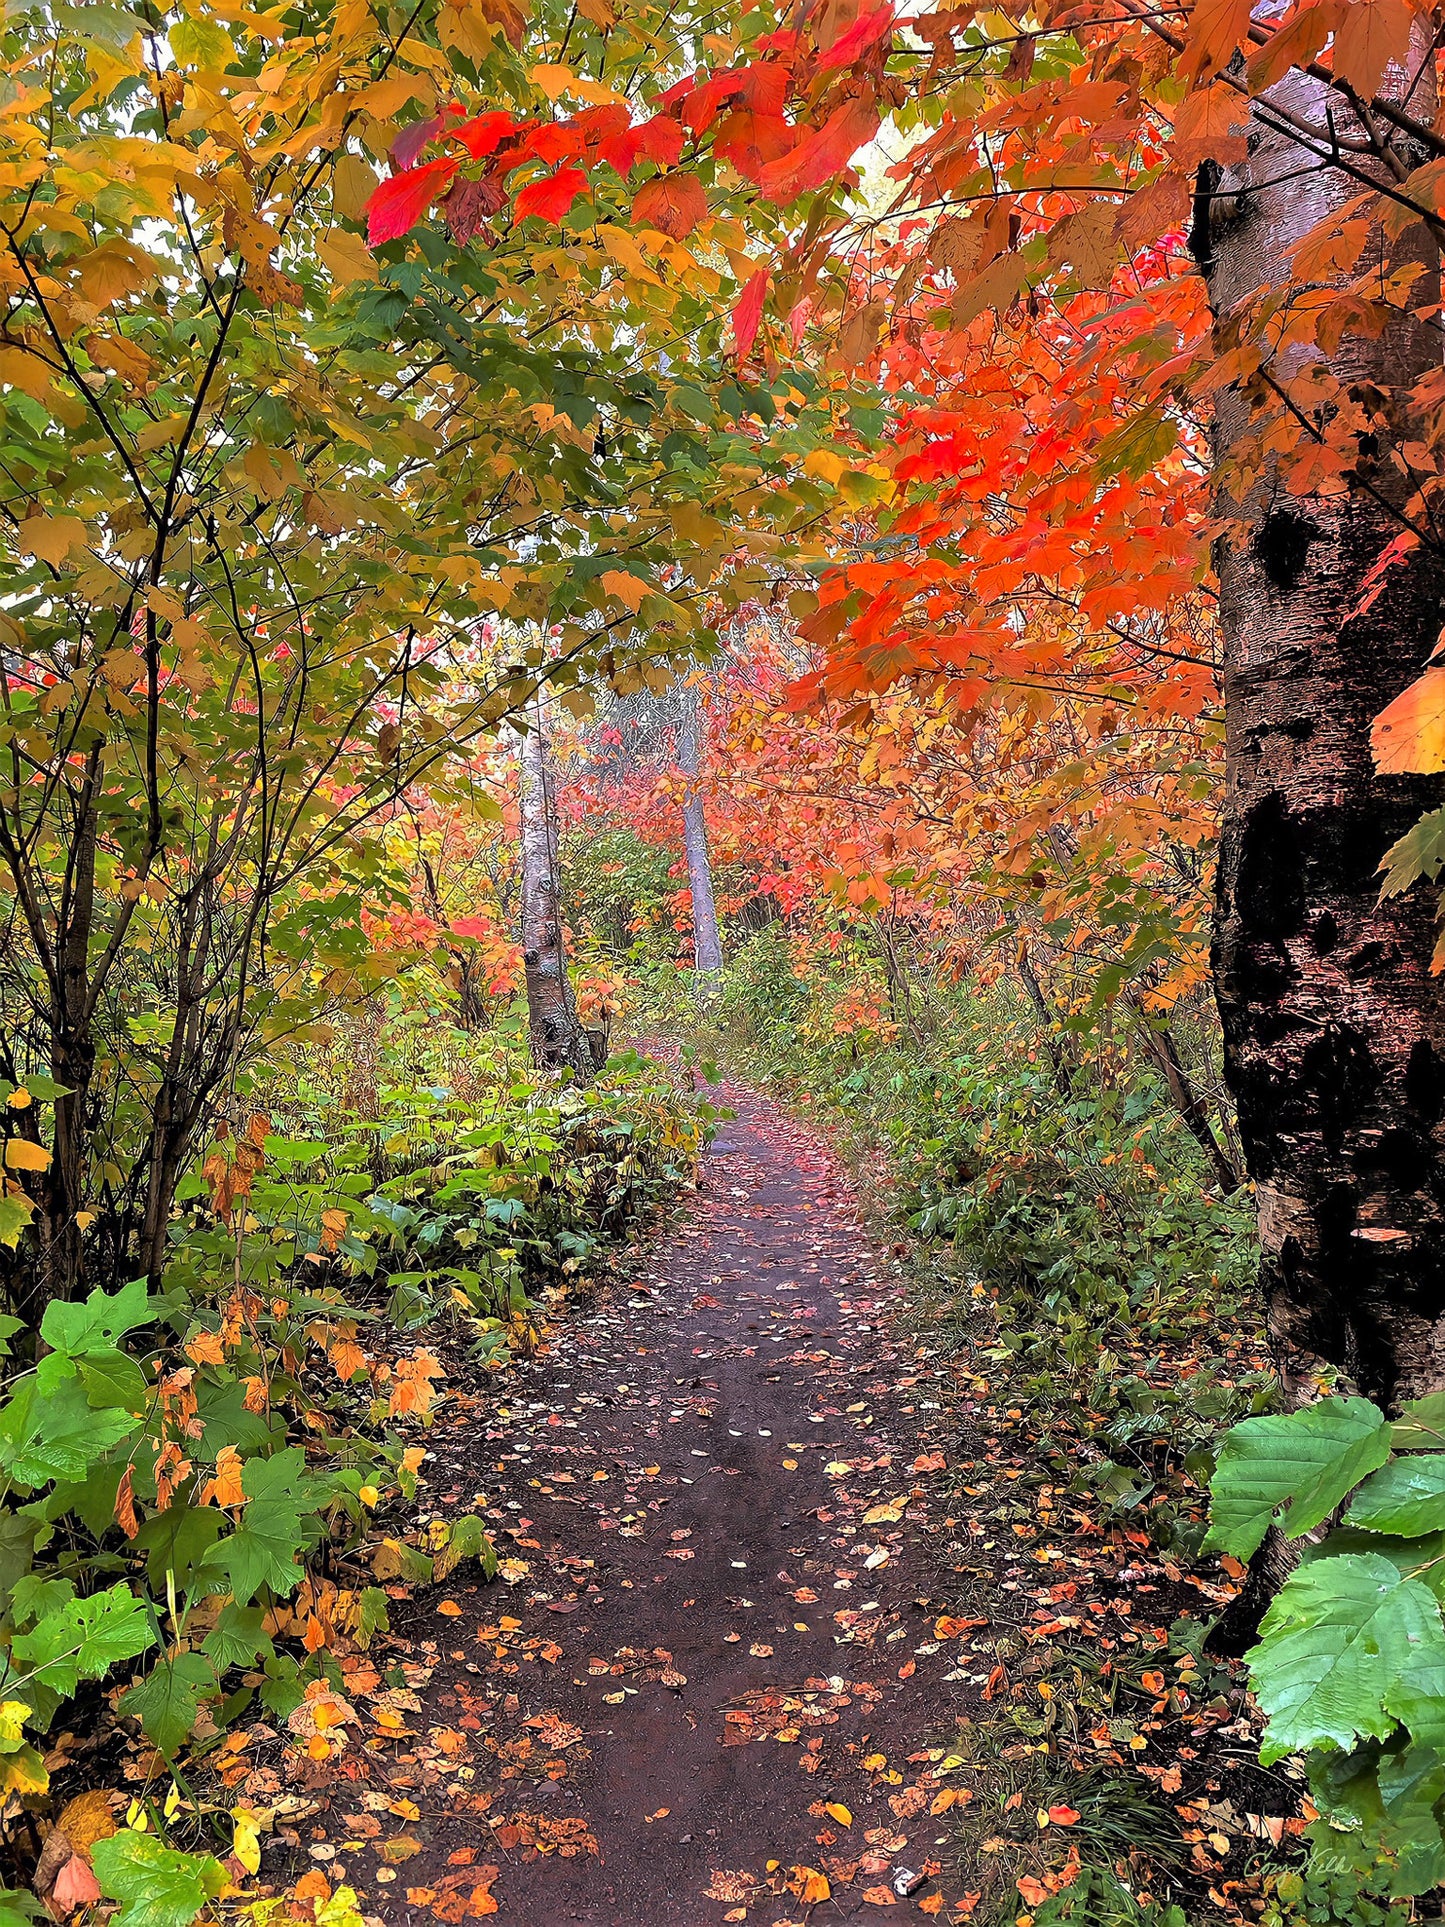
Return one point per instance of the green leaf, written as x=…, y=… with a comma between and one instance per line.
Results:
x=1333, y=1646
x=1418, y=1698
x=261, y=1552
x=178, y=1541
x=15, y=1215
x=156, y=1885
x=466, y=1540
x=1306, y=1461
x=238, y=1638
x=84, y=1639
x=46, y=1088
x=200, y=43
x=1422, y=1422
x=1405, y=1498
x=113, y=1378
x=167, y=1700
x=1420, y=852
x=221, y=1408
x=19, y=1909
x=372, y=1617
x=17, y=1550
x=58, y=1436
x=99, y=1322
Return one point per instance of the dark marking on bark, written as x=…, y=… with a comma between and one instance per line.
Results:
x=1425, y=1080
x=1269, y=883
x=1283, y=546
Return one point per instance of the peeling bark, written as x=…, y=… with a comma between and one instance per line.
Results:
x=1334, y=1029
x=558, y=1040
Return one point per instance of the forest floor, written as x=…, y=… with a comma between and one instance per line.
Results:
x=794, y=1626
x=713, y=1686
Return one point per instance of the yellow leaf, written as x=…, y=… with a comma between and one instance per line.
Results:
x=628, y=589
x=1410, y=734
x=885, y=1515
x=625, y=251
x=23, y=1772
x=346, y=255
x=19, y=1100
x=595, y=92
x=52, y=537
x=353, y=182
x=113, y=271
x=246, y=1844
x=22, y=1155
x=837, y=1811
x=552, y=80
x=25, y=371
x=823, y=463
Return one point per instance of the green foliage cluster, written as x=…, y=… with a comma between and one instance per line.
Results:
x=1350, y=1662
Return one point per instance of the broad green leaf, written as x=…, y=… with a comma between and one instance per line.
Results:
x=19, y=1909
x=167, y=1700
x=58, y=1436
x=178, y=1541
x=1405, y=1497
x=221, y=1408
x=1333, y=1646
x=238, y=1638
x=1422, y=1422
x=113, y=1378
x=1303, y=1461
x=1412, y=1783
x=276, y=1525
x=467, y=1540
x=97, y=1324
x=156, y=1885
x=262, y=1550
x=84, y=1639
x=1418, y=1698
x=17, y=1550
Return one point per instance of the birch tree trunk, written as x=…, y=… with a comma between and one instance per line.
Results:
x=558, y=1040
x=1334, y=1028
x=706, y=942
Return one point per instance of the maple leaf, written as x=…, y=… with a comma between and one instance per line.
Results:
x=1217, y=28
x=865, y=31
x=1409, y=735
x=822, y=156
x=401, y=201
x=1371, y=36
x=550, y=198
x=674, y=203
x=748, y=311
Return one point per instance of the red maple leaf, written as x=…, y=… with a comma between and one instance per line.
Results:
x=400, y=202
x=673, y=202
x=550, y=198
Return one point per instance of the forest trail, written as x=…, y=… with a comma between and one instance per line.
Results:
x=721, y=1499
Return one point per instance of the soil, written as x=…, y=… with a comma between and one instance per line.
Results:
x=715, y=1496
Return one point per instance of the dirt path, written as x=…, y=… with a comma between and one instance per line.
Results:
x=714, y=1492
